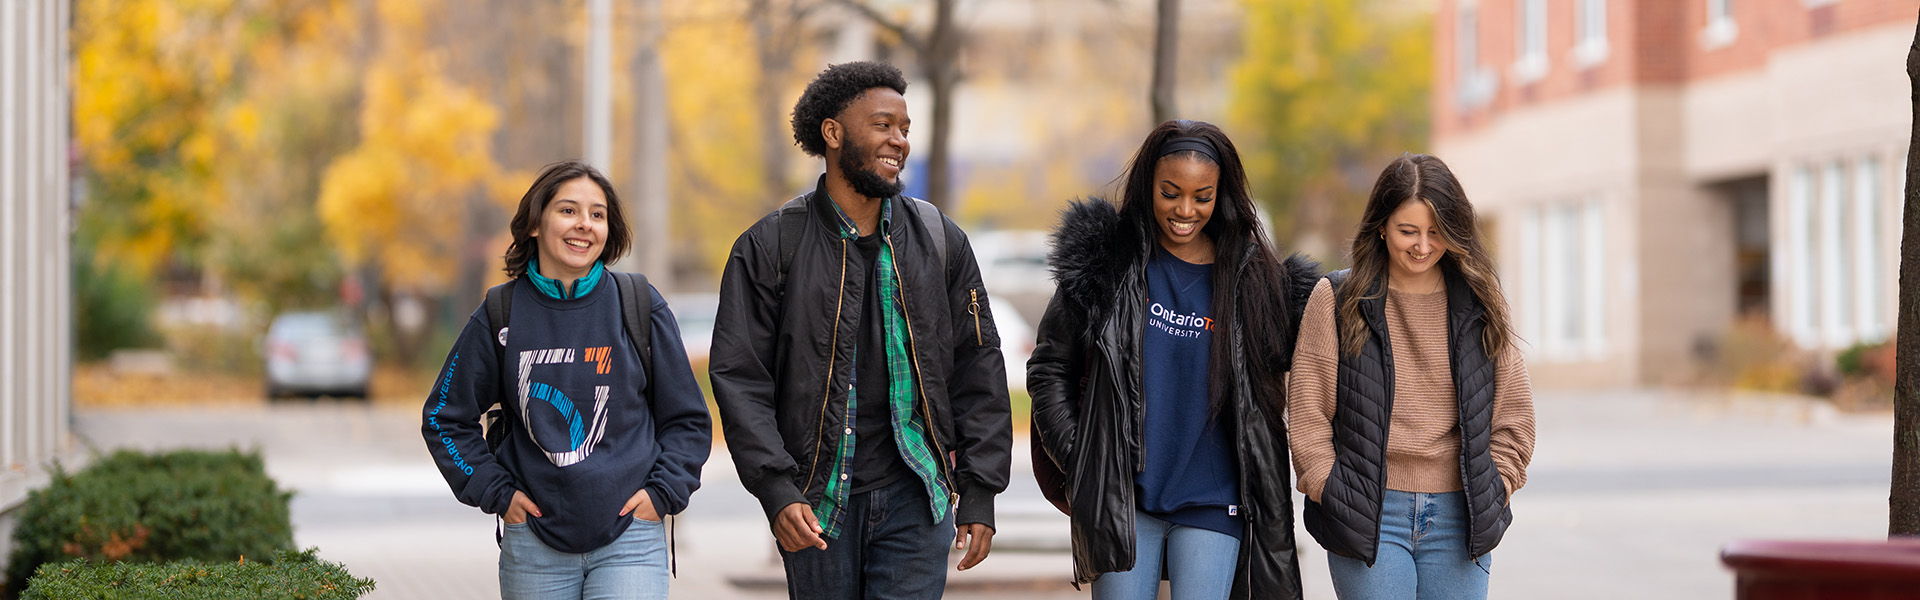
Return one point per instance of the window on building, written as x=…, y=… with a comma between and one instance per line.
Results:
x=1561, y=274
x=1870, y=277
x=1721, y=27
x=1474, y=84
x=1530, y=38
x=1799, y=257
x=1837, y=254
x=1836, y=276
x=1590, y=32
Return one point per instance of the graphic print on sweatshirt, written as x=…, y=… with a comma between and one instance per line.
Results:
x=555, y=420
x=1176, y=323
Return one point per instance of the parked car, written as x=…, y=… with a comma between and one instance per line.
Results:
x=317, y=353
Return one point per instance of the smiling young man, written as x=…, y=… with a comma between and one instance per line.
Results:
x=856, y=365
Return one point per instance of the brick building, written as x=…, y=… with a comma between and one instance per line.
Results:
x=1650, y=171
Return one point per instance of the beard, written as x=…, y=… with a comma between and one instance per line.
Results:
x=856, y=164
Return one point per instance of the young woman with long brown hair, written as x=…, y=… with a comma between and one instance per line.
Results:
x=1410, y=410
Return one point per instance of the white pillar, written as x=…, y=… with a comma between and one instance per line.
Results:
x=598, y=116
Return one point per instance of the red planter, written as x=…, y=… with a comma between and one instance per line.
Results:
x=1863, y=570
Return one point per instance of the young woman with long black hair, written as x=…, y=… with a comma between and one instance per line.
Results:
x=1156, y=380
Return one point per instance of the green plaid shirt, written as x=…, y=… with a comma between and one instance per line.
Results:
x=910, y=436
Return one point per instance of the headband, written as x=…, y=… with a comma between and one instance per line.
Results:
x=1201, y=145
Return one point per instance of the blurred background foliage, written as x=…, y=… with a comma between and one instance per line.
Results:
x=287, y=154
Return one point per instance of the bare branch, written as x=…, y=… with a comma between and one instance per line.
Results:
x=907, y=36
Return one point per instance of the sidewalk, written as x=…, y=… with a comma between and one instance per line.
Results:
x=1631, y=494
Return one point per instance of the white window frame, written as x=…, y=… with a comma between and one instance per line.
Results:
x=1530, y=41
x=1590, y=33
x=1594, y=272
x=1722, y=29
x=1561, y=287
x=1800, y=313
x=1870, y=275
x=1836, y=308
x=1474, y=84
x=1554, y=283
x=1530, y=300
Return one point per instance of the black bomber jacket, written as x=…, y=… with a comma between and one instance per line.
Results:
x=780, y=366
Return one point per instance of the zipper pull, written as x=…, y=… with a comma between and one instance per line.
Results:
x=974, y=307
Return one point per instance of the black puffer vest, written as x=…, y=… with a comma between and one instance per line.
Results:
x=1346, y=520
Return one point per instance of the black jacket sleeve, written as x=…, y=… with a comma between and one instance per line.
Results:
x=976, y=389
x=681, y=424
x=741, y=367
x=450, y=422
x=1053, y=379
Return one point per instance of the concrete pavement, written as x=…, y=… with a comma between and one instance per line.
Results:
x=1631, y=494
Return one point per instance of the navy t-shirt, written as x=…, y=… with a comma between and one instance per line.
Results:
x=1189, y=475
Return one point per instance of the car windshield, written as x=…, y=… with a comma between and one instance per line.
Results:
x=309, y=325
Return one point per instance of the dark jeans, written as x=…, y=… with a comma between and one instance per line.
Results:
x=889, y=548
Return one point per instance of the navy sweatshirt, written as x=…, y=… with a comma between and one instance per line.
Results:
x=585, y=427
x=1188, y=475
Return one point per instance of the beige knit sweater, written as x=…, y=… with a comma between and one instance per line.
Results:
x=1423, y=435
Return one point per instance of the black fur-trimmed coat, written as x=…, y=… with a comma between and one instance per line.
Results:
x=1085, y=380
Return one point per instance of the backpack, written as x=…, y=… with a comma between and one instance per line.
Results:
x=789, y=233
x=636, y=316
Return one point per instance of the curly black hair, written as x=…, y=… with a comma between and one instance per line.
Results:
x=831, y=92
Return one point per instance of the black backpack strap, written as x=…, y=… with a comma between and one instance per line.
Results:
x=788, y=233
x=936, y=229
x=636, y=311
x=499, y=306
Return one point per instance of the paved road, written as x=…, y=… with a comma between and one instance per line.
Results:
x=1631, y=494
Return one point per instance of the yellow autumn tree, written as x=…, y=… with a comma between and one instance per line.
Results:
x=394, y=204
x=152, y=81
x=1325, y=94
x=711, y=69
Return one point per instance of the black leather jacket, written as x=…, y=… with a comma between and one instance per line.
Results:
x=1085, y=379
x=780, y=374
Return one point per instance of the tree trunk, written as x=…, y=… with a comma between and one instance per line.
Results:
x=1903, y=515
x=777, y=135
x=1166, y=45
x=650, y=211
x=943, y=52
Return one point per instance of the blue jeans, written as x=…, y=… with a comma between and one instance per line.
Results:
x=633, y=567
x=1200, y=563
x=1423, y=553
x=889, y=547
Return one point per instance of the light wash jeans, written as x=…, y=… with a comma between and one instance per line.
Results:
x=1200, y=563
x=1422, y=556
x=632, y=567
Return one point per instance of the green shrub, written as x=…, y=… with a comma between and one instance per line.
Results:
x=112, y=308
x=288, y=576
x=1867, y=360
x=149, y=508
